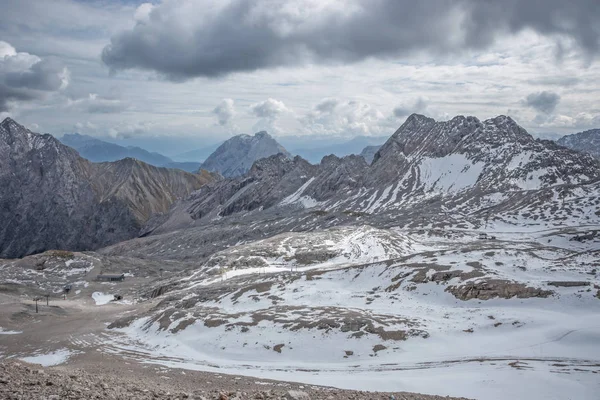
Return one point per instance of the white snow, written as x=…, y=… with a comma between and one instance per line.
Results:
x=452, y=173
x=102, y=298
x=296, y=197
x=56, y=357
x=3, y=332
x=538, y=333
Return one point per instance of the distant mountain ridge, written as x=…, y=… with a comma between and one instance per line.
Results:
x=52, y=198
x=340, y=147
x=236, y=156
x=97, y=150
x=587, y=142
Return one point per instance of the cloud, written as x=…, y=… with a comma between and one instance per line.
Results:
x=225, y=112
x=269, y=109
x=544, y=102
x=268, y=113
x=176, y=41
x=142, y=13
x=420, y=107
x=353, y=117
x=128, y=130
x=95, y=104
x=26, y=77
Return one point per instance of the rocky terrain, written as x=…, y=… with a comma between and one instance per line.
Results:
x=18, y=379
x=587, y=142
x=54, y=199
x=236, y=155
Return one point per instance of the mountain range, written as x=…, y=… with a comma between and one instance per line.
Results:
x=587, y=142
x=52, y=198
x=97, y=150
x=440, y=172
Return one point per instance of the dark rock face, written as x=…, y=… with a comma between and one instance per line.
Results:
x=236, y=156
x=586, y=142
x=51, y=198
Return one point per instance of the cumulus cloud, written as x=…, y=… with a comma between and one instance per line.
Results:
x=225, y=112
x=177, y=41
x=25, y=77
x=128, y=130
x=544, y=102
x=142, y=13
x=268, y=113
x=353, y=117
x=269, y=109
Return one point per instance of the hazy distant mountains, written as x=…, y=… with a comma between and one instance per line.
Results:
x=587, y=142
x=51, y=198
x=235, y=156
x=197, y=155
x=368, y=153
x=313, y=149
x=97, y=150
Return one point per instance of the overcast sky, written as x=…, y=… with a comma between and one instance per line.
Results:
x=203, y=70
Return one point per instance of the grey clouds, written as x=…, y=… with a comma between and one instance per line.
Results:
x=25, y=77
x=189, y=38
x=544, y=102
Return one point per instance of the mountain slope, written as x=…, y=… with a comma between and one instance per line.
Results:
x=52, y=198
x=236, y=155
x=587, y=142
x=97, y=150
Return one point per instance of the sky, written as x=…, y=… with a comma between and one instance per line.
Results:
x=171, y=75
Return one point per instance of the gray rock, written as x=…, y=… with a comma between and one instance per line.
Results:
x=296, y=395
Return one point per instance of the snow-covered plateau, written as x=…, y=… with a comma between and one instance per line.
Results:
x=431, y=311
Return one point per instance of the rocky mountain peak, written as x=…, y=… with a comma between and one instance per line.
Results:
x=236, y=155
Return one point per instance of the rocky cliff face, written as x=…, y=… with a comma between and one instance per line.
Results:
x=587, y=142
x=236, y=156
x=51, y=198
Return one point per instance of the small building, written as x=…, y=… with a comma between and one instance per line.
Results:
x=111, y=277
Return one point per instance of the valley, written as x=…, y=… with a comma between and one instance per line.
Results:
x=463, y=261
